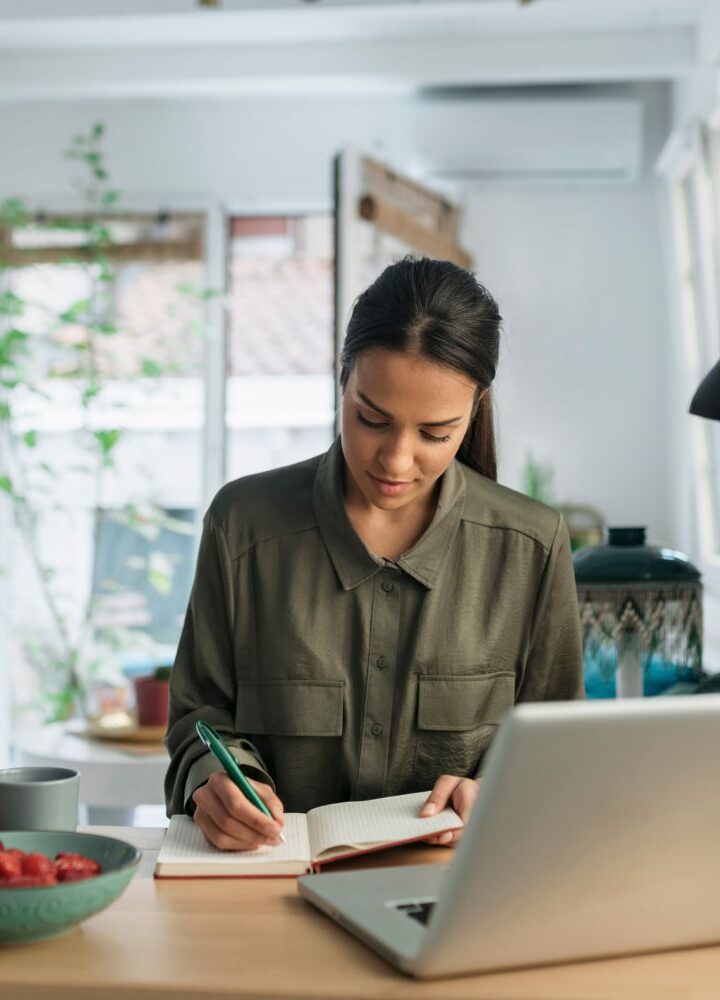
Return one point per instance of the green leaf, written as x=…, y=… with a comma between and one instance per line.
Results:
x=98, y=130
x=76, y=311
x=6, y=485
x=14, y=213
x=107, y=271
x=30, y=438
x=106, y=329
x=150, y=368
x=11, y=304
x=160, y=573
x=107, y=441
x=110, y=197
x=90, y=392
x=4, y=410
x=102, y=235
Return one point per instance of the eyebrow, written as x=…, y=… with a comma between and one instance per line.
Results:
x=425, y=423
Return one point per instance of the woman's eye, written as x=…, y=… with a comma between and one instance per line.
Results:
x=378, y=425
x=369, y=423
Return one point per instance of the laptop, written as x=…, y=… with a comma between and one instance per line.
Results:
x=596, y=832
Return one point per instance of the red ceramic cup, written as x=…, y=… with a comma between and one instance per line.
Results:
x=151, y=700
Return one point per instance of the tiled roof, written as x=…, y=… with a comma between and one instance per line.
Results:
x=280, y=316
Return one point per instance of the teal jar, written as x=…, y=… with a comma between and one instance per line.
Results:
x=641, y=616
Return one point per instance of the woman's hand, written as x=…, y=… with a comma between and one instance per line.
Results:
x=459, y=794
x=230, y=822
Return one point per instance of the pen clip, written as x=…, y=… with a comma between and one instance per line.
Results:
x=205, y=731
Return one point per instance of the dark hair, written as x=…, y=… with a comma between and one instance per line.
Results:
x=439, y=311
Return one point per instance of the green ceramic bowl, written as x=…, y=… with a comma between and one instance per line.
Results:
x=32, y=914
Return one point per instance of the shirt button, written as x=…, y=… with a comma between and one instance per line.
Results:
x=387, y=586
x=377, y=729
x=381, y=662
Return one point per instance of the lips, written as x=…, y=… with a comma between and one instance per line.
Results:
x=389, y=488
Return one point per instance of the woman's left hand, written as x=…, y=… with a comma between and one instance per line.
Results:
x=457, y=793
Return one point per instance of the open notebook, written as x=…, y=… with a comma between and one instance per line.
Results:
x=312, y=839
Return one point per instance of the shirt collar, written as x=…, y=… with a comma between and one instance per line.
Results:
x=352, y=561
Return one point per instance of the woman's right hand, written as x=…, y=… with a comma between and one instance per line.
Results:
x=232, y=823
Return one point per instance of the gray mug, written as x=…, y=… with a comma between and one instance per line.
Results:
x=39, y=798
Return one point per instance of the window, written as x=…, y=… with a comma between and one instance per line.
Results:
x=105, y=403
x=692, y=197
x=280, y=356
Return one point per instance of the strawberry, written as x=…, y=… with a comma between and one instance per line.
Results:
x=37, y=864
x=72, y=875
x=78, y=862
x=10, y=866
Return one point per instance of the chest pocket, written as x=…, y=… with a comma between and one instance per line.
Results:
x=457, y=716
x=287, y=707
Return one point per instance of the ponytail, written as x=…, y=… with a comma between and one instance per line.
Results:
x=478, y=447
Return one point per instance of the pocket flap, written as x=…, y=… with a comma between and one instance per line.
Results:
x=453, y=702
x=290, y=708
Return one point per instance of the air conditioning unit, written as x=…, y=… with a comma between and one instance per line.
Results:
x=598, y=140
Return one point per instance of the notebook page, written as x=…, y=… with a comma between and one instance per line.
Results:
x=375, y=821
x=185, y=844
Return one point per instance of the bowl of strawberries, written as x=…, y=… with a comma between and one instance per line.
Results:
x=52, y=880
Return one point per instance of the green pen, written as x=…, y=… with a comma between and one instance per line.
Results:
x=213, y=741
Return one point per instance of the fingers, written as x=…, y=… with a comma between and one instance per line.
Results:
x=450, y=790
x=270, y=799
x=448, y=839
x=440, y=795
x=463, y=797
x=230, y=821
x=239, y=808
x=246, y=840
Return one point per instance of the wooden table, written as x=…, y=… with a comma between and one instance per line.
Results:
x=259, y=939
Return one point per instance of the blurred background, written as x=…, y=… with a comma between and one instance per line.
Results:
x=191, y=195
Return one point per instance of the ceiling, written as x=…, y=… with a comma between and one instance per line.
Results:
x=53, y=49
x=100, y=23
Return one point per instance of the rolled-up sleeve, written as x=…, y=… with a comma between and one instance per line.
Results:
x=203, y=680
x=554, y=665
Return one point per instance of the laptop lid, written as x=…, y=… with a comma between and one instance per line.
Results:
x=595, y=833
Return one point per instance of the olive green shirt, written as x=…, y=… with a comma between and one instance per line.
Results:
x=336, y=674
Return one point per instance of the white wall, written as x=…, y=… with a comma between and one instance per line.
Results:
x=584, y=375
x=577, y=268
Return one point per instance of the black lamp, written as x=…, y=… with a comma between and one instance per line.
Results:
x=706, y=401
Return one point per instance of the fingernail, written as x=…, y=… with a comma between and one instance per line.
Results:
x=445, y=837
x=428, y=809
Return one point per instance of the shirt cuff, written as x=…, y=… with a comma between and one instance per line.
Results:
x=207, y=765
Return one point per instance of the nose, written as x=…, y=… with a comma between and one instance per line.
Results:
x=396, y=457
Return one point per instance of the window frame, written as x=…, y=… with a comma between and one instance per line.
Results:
x=693, y=206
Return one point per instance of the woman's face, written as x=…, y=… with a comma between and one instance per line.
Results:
x=403, y=420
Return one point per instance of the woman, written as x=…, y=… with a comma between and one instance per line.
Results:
x=360, y=622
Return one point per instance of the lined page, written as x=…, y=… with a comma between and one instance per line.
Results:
x=375, y=821
x=185, y=845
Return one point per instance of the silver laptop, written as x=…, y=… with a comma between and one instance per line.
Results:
x=596, y=832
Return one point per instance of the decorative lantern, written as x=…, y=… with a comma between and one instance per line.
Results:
x=641, y=615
